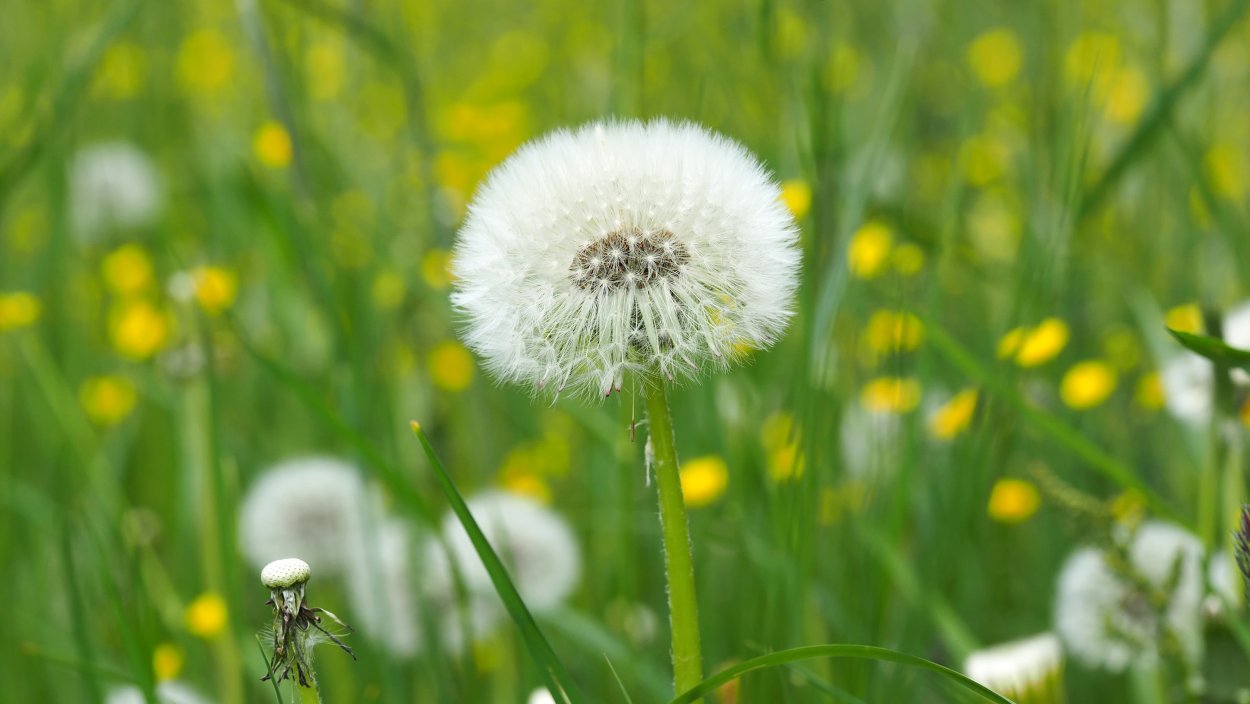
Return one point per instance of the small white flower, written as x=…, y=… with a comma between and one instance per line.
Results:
x=1106, y=621
x=313, y=507
x=1020, y=668
x=171, y=692
x=624, y=246
x=534, y=543
x=382, y=591
x=112, y=185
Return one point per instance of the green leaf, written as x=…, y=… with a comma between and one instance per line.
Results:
x=861, y=652
x=1213, y=349
x=554, y=675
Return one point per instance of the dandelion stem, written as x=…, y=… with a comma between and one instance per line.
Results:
x=309, y=694
x=683, y=607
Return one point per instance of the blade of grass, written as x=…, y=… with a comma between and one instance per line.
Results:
x=1213, y=349
x=555, y=676
x=1161, y=112
x=1065, y=435
x=812, y=652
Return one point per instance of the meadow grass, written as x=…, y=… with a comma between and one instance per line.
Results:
x=900, y=471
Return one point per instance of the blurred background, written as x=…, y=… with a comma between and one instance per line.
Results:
x=224, y=237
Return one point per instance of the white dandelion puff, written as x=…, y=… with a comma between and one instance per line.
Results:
x=1225, y=581
x=870, y=442
x=112, y=185
x=382, y=590
x=1108, y=614
x=624, y=247
x=313, y=506
x=172, y=692
x=459, y=621
x=541, y=696
x=534, y=543
x=1189, y=379
x=1024, y=670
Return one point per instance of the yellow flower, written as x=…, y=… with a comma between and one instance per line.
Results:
x=215, y=289
x=167, y=662
x=127, y=270
x=785, y=463
x=1225, y=167
x=889, y=394
x=1150, y=393
x=703, y=480
x=1087, y=384
x=107, y=400
x=272, y=145
x=908, y=259
x=1031, y=347
x=205, y=62
x=436, y=269
x=18, y=309
x=797, y=196
x=889, y=331
x=451, y=366
x=954, y=416
x=526, y=484
x=1186, y=318
x=122, y=72
x=986, y=159
x=995, y=56
x=326, y=70
x=387, y=290
x=206, y=616
x=869, y=249
x=1128, y=92
x=1013, y=501
x=138, y=329
x=1129, y=507
x=843, y=68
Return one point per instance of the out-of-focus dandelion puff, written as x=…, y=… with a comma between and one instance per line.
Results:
x=171, y=692
x=1188, y=383
x=1227, y=587
x=541, y=696
x=1112, y=612
x=461, y=619
x=112, y=186
x=870, y=442
x=382, y=591
x=535, y=544
x=624, y=246
x=703, y=480
x=312, y=506
x=1029, y=671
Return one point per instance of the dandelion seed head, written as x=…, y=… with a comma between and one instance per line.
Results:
x=1107, y=621
x=1018, y=668
x=623, y=246
x=112, y=185
x=313, y=507
x=281, y=574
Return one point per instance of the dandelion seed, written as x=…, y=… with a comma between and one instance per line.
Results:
x=623, y=247
x=313, y=506
x=1029, y=671
x=112, y=186
x=1118, y=607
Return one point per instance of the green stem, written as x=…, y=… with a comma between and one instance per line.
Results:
x=309, y=694
x=683, y=607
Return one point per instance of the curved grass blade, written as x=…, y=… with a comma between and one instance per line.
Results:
x=860, y=652
x=1213, y=349
x=555, y=676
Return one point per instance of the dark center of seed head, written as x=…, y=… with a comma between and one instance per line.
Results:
x=627, y=258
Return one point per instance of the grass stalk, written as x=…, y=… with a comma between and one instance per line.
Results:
x=683, y=607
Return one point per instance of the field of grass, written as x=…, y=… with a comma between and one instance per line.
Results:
x=225, y=233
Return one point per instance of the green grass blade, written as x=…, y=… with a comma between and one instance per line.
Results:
x=1056, y=429
x=811, y=652
x=554, y=675
x=1213, y=349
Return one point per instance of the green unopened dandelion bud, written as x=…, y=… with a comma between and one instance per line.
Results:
x=284, y=574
